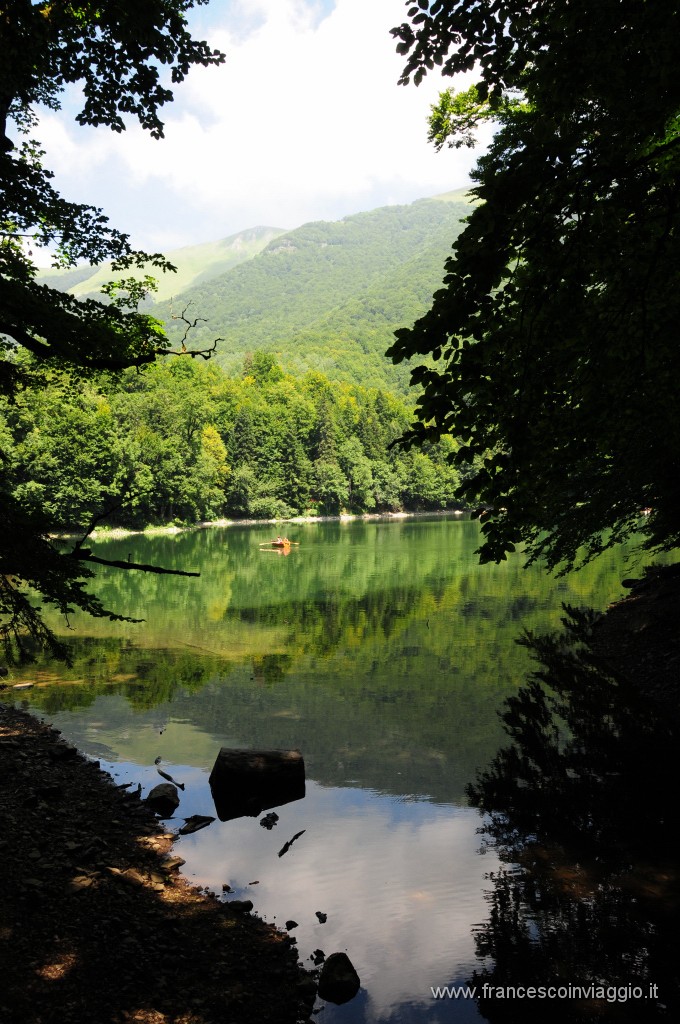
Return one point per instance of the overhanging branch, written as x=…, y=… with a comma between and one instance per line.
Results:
x=85, y=555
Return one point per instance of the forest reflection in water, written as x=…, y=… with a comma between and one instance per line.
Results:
x=383, y=651
x=581, y=807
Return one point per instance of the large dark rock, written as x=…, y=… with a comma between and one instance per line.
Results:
x=163, y=799
x=247, y=782
x=339, y=982
x=240, y=906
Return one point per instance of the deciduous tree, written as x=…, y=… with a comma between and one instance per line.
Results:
x=125, y=58
x=556, y=332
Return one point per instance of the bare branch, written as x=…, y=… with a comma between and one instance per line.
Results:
x=85, y=555
x=126, y=493
x=204, y=353
x=190, y=324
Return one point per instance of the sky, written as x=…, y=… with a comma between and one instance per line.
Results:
x=304, y=121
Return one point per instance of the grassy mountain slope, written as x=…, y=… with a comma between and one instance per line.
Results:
x=329, y=296
x=195, y=264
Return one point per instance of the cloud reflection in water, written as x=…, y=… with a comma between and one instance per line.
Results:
x=373, y=864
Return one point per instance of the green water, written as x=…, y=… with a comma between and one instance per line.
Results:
x=383, y=651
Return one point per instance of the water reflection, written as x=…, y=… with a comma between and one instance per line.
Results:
x=376, y=867
x=382, y=651
x=581, y=807
x=399, y=880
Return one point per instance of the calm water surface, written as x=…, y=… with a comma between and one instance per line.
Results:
x=381, y=650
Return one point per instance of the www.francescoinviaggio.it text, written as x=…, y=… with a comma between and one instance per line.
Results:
x=610, y=993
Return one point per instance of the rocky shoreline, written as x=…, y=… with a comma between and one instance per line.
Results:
x=97, y=926
x=103, y=533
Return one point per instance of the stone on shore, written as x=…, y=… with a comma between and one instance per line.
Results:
x=163, y=799
x=339, y=982
x=93, y=927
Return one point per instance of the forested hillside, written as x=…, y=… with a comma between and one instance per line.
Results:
x=329, y=295
x=181, y=442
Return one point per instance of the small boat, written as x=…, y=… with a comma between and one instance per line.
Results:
x=280, y=542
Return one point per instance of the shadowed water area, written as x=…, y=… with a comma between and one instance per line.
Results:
x=383, y=652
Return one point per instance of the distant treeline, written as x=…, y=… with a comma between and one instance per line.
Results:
x=183, y=442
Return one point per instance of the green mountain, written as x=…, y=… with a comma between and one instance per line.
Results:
x=326, y=296
x=329, y=295
x=195, y=264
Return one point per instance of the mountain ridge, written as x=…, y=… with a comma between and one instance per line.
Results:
x=195, y=264
x=327, y=295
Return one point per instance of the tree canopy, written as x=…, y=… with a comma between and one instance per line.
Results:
x=125, y=58
x=182, y=442
x=116, y=53
x=556, y=331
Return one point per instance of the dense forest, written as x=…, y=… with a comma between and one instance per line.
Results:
x=293, y=414
x=181, y=441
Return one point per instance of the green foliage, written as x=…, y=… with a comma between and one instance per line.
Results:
x=555, y=336
x=455, y=117
x=122, y=57
x=262, y=367
x=182, y=442
x=69, y=437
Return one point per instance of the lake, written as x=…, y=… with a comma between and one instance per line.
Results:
x=383, y=652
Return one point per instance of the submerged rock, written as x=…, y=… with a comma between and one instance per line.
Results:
x=339, y=982
x=246, y=782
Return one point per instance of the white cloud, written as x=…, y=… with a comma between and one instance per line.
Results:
x=303, y=121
